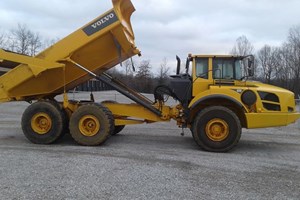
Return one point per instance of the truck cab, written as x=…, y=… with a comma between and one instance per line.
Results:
x=218, y=100
x=222, y=70
x=223, y=80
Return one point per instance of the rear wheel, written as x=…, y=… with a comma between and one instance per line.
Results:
x=43, y=122
x=91, y=124
x=216, y=129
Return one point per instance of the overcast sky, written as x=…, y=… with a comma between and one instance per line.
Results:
x=164, y=28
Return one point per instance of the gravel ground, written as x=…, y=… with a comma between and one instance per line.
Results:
x=147, y=162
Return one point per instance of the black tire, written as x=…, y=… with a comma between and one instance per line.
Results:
x=216, y=129
x=43, y=122
x=64, y=116
x=91, y=124
x=118, y=129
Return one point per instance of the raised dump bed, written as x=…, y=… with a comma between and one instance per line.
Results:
x=98, y=46
x=88, y=52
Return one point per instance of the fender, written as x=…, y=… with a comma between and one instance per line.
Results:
x=216, y=96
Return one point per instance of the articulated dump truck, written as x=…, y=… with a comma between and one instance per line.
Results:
x=215, y=101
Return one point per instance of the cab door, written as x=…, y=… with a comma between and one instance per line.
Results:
x=202, y=76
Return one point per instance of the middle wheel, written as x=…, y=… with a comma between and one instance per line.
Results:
x=91, y=124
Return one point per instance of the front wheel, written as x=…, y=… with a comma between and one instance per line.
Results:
x=216, y=129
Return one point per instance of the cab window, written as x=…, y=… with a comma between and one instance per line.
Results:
x=202, y=68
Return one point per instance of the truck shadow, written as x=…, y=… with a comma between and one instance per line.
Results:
x=144, y=140
x=124, y=139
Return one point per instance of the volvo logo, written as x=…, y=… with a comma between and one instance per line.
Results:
x=100, y=23
x=103, y=20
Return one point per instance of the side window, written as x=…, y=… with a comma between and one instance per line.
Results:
x=202, y=67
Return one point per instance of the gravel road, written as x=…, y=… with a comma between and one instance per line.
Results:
x=147, y=162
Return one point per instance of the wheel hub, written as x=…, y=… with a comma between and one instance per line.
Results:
x=217, y=130
x=41, y=123
x=89, y=125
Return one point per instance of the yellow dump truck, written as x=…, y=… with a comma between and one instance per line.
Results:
x=215, y=101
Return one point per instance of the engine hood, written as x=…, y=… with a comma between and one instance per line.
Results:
x=267, y=88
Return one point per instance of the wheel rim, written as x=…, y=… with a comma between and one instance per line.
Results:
x=89, y=125
x=217, y=130
x=41, y=123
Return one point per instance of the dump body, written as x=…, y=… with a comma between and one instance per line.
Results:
x=99, y=45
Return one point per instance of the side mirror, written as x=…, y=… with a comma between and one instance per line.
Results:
x=178, y=65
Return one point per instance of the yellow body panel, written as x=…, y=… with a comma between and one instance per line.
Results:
x=99, y=45
x=126, y=114
x=262, y=120
x=225, y=91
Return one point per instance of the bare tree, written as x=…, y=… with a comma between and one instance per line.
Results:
x=163, y=74
x=144, y=77
x=288, y=59
x=293, y=49
x=20, y=39
x=282, y=64
x=24, y=41
x=267, y=57
x=34, y=44
x=144, y=69
x=128, y=68
x=284, y=72
x=243, y=47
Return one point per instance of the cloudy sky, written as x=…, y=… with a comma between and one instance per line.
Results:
x=164, y=28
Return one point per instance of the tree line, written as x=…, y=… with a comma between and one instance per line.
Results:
x=144, y=78
x=277, y=65
x=21, y=40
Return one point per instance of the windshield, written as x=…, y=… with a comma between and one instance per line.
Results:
x=227, y=68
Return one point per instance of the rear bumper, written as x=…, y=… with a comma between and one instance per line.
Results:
x=264, y=120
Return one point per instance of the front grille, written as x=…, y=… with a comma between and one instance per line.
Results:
x=270, y=101
x=267, y=96
x=270, y=106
